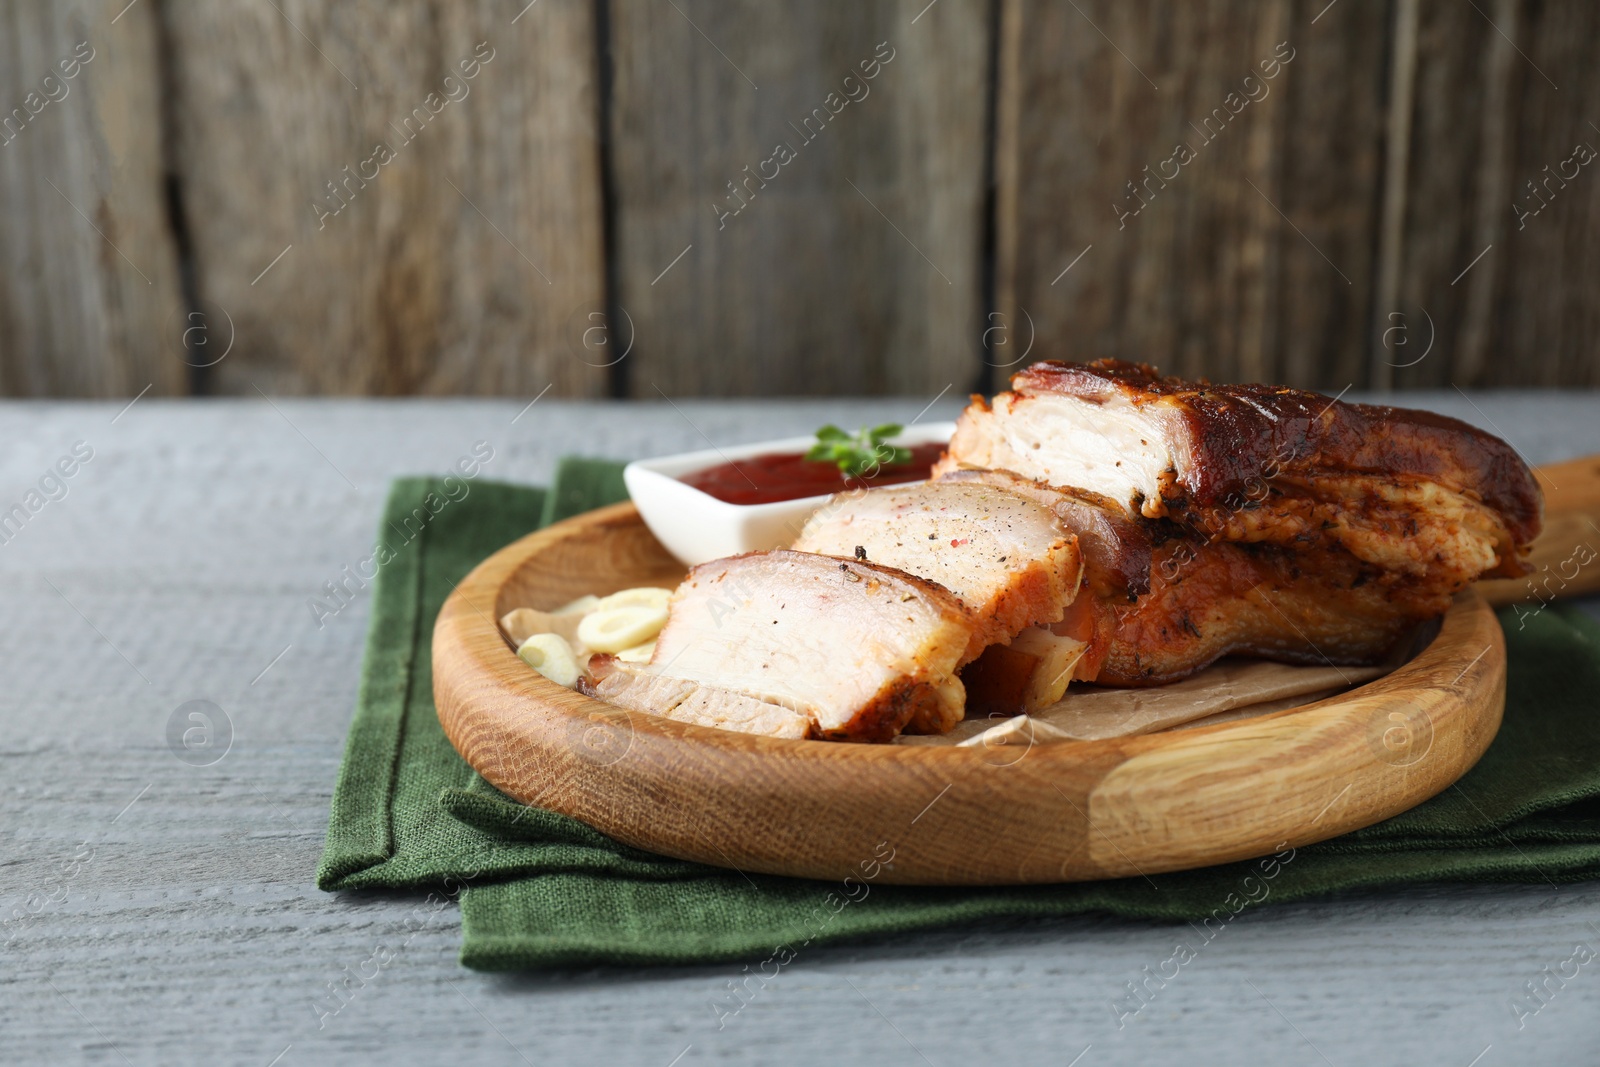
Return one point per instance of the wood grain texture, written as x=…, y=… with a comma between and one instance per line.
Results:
x=1206, y=273
x=1358, y=217
x=89, y=292
x=1545, y=326
x=1457, y=200
x=460, y=265
x=1403, y=49
x=1500, y=98
x=856, y=268
x=1139, y=805
x=196, y=935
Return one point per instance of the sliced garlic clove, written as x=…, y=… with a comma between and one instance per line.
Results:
x=519, y=624
x=522, y=623
x=551, y=656
x=638, y=653
x=645, y=596
x=581, y=606
x=615, y=629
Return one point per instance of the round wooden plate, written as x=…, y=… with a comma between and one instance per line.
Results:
x=1055, y=811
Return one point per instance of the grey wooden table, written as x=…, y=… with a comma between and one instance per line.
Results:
x=168, y=913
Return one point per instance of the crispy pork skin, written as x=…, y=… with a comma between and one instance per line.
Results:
x=1211, y=600
x=1005, y=555
x=860, y=651
x=1406, y=491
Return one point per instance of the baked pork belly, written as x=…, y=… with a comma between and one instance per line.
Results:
x=822, y=647
x=1097, y=523
x=1115, y=548
x=1004, y=554
x=1406, y=491
x=1158, y=603
x=1252, y=520
x=1209, y=600
x=1032, y=671
x=635, y=687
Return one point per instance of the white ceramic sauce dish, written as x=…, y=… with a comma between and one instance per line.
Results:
x=696, y=527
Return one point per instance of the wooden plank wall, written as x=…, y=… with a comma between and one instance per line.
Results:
x=1192, y=265
x=1502, y=91
x=857, y=265
x=1324, y=194
x=90, y=301
x=438, y=223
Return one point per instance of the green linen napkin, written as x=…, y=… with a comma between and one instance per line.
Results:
x=538, y=889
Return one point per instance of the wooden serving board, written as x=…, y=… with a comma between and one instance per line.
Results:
x=1055, y=811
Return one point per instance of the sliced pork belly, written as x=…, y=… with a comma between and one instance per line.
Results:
x=1408, y=491
x=1117, y=552
x=634, y=687
x=1114, y=547
x=859, y=650
x=1159, y=603
x=1004, y=554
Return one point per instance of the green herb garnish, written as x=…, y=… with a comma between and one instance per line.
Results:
x=860, y=453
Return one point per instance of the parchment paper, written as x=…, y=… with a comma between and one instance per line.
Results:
x=1229, y=689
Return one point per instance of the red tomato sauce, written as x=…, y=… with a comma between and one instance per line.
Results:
x=790, y=476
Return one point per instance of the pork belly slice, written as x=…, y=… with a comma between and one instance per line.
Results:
x=1003, y=554
x=634, y=688
x=1407, y=491
x=859, y=650
x=1206, y=601
x=1115, y=548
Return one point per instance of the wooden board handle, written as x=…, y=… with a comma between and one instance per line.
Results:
x=1566, y=555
